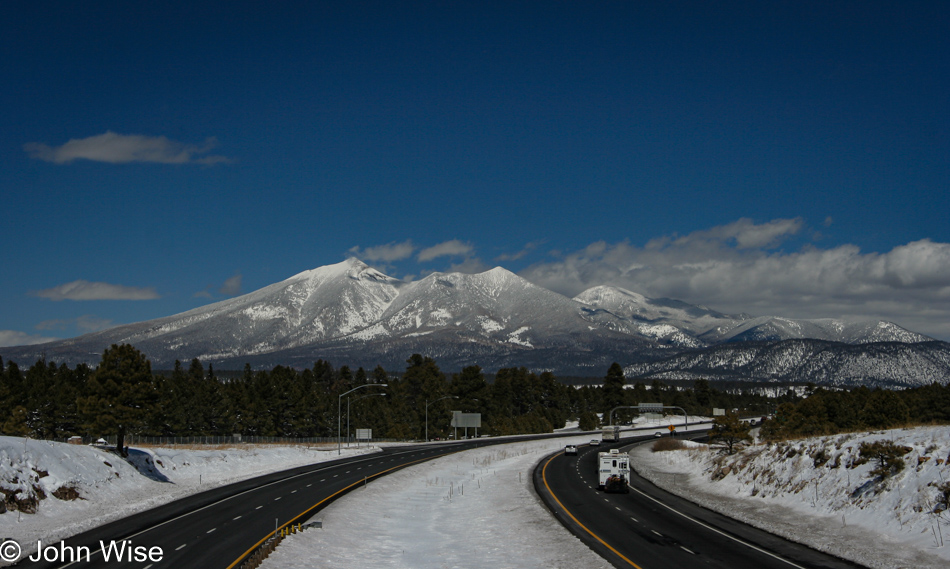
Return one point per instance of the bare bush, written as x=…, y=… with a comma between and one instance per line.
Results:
x=668, y=444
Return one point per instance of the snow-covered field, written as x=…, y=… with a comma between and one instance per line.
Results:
x=109, y=488
x=807, y=491
x=475, y=508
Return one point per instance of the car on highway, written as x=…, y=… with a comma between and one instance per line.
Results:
x=595, y=442
x=570, y=449
x=658, y=434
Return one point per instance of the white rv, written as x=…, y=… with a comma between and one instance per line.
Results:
x=613, y=471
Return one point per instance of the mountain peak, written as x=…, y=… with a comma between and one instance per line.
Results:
x=350, y=268
x=606, y=294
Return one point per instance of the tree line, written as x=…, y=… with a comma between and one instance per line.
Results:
x=826, y=412
x=122, y=395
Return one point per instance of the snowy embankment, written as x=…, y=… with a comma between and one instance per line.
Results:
x=818, y=492
x=474, y=508
x=71, y=488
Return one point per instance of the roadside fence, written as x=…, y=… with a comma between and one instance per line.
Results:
x=133, y=440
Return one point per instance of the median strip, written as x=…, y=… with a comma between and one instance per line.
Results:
x=274, y=537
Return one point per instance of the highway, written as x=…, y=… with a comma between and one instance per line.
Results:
x=214, y=529
x=652, y=529
x=217, y=528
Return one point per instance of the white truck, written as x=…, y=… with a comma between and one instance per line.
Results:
x=613, y=471
x=610, y=433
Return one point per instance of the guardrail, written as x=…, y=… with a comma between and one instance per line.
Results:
x=254, y=560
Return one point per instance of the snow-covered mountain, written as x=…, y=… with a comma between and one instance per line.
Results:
x=887, y=364
x=671, y=321
x=656, y=316
x=353, y=314
x=774, y=328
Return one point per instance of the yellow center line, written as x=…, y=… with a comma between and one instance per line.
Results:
x=544, y=477
x=338, y=492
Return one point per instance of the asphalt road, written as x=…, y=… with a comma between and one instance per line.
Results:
x=652, y=529
x=214, y=529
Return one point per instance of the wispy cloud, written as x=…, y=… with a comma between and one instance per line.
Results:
x=85, y=324
x=528, y=248
x=447, y=249
x=745, y=234
x=117, y=148
x=85, y=290
x=735, y=268
x=385, y=253
x=232, y=286
x=471, y=265
x=15, y=338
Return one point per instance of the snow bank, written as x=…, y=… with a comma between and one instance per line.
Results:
x=475, y=508
x=814, y=491
x=74, y=488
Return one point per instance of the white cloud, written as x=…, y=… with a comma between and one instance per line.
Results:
x=124, y=148
x=232, y=286
x=446, y=249
x=85, y=290
x=15, y=338
x=733, y=269
x=385, y=253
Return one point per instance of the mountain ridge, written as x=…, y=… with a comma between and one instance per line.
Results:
x=352, y=312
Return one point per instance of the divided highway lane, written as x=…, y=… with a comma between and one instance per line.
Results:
x=652, y=529
x=213, y=529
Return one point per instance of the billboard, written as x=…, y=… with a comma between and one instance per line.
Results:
x=460, y=420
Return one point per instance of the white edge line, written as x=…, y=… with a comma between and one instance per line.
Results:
x=711, y=528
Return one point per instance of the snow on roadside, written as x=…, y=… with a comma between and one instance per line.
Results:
x=110, y=488
x=475, y=508
x=805, y=491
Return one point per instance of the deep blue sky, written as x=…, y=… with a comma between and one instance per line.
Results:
x=784, y=158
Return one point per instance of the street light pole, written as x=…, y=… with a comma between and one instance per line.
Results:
x=348, y=417
x=339, y=405
x=427, y=411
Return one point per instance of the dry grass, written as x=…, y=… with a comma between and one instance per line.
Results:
x=667, y=444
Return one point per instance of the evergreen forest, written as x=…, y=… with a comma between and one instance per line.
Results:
x=123, y=396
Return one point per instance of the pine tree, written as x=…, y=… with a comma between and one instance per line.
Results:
x=884, y=409
x=120, y=391
x=613, y=390
x=730, y=431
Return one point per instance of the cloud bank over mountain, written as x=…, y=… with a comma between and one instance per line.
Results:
x=740, y=267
